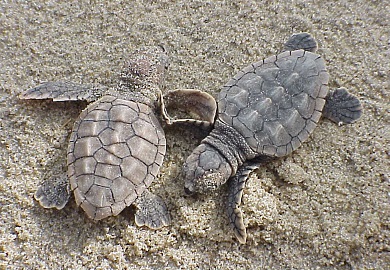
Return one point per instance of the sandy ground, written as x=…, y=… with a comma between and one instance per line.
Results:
x=327, y=205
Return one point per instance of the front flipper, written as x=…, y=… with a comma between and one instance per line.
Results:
x=151, y=211
x=64, y=91
x=198, y=104
x=53, y=192
x=342, y=107
x=236, y=185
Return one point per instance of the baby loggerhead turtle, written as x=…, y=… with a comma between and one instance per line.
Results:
x=265, y=111
x=117, y=144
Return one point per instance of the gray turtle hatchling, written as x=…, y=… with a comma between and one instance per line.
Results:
x=265, y=111
x=117, y=144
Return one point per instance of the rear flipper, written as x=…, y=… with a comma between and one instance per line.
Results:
x=64, y=91
x=54, y=192
x=151, y=211
x=236, y=185
x=342, y=107
x=198, y=104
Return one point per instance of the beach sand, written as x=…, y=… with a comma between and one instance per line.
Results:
x=327, y=205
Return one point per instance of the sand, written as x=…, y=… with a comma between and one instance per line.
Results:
x=327, y=205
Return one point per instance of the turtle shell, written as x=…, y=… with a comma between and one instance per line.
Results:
x=116, y=149
x=275, y=104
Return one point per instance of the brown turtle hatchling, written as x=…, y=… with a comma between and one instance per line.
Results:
x=265, y=111
x=117, y=144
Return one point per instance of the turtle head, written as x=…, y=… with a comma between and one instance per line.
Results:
x=205, y=170
x=147, y=64
x=145, y=72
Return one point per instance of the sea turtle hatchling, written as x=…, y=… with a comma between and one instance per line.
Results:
x=265, y=111
x=117, y=144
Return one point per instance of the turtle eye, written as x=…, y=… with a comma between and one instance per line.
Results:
x=187, y=191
